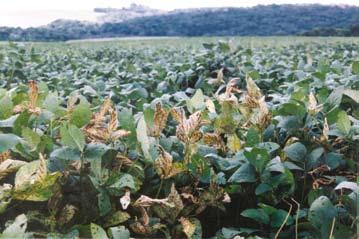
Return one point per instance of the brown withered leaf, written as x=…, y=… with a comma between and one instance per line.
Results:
x=42, y=169
x=145, y=201
x=229, y=96
x=263, y=117
x=178, y=115
x=164, y=165
x=214, y=140
x=210, y=106
x=252, y=88
x=188, y=227
x=141, y=229
x=4, y=156
x=55, y=200
x=170, y=213
x=67, y=214
x=188, y=129
x=33, y=93
x=145, y=218
x=213, y=197
x=10, y=166
x=325, y=135
x=104, y=124
x=313, y=106
x=160, y=119
x=31, y=104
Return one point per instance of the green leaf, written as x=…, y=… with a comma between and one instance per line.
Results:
x=31, y=137
x=258, y=158
x=333, y=160
x=355, y=67
x=335, y=98
x=197, y=102
x=116, y=218
x=343, y=122
x=296, y=152
x=125, y=181
x=253, y=137
x=262, y=188
x=66, y=153
x=8, y=141
x=245, y=173
x=97, y=232
x=127, y=122
x=278, y=217
x=119, y=232
x=6, y=107
x=143, y=138
x=321, y=214
x=229, y=233
x=95, y=151
x=314, y=156
x=72, y=136
x=52, y=103
x=104, y=203
x=81, y=115
x=294, y=109
x=258, y=215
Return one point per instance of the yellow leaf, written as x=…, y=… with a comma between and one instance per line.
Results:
x=233, y=143
x=188, y=227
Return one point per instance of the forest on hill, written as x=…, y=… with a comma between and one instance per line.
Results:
x=270, y=20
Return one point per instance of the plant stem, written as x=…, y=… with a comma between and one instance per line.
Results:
x=160, y=188
x=332, y=229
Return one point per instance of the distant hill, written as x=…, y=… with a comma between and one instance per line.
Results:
x=261, y=20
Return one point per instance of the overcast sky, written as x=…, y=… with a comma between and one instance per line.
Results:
x=27, y=13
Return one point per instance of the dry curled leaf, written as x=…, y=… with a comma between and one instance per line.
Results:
x=30, y=105
x=145, y=201
x=313, y=106
x=325, y=136
x=214, y=140
x=210, y=106
x=104, y=124
x=141, y=229
x=164, y=165
x=4, y=156
x=188, y=129
x=42, y=169
x=188, y=227
x=10, y=166
x=252, y=88
x=228, y=95
x=226, y=198
x=125, y=200
x=67, y=214
x=263, y=116
x=160, y=119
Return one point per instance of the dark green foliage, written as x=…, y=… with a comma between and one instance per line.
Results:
x=107, y=141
